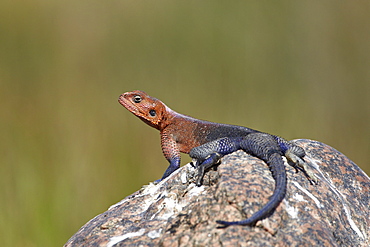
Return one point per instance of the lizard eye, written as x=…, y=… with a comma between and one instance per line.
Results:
x=152, y=113
x=137, y=98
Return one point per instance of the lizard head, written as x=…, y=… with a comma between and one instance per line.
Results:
x=150, y=110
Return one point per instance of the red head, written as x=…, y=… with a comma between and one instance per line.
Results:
x=151, y=110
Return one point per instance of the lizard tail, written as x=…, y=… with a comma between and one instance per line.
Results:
x=276, y=165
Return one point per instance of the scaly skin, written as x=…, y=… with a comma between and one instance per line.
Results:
x=207, y=142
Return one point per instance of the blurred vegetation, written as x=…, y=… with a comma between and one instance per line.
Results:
x=299, y=69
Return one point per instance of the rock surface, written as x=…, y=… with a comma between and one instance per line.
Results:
x=177, y=213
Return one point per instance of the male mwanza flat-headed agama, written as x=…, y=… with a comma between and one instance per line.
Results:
x=206, y=142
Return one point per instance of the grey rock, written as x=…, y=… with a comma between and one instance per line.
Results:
x=175, y=212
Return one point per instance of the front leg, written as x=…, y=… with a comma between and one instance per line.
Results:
x=209, y=154
x=171, y=152
x=174, y=165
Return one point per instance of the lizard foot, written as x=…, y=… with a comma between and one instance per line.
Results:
x=298, y=161
x=202, y=166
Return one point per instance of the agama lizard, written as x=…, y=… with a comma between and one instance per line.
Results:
x=207, y=142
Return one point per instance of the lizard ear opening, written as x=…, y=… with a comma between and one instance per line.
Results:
x=152, y=113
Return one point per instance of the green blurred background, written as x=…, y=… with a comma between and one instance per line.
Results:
x=298, y=69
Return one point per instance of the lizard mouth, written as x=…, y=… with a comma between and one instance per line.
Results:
x=126, y=103
x=121, y=99
x=130, y=106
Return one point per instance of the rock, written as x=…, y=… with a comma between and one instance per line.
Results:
x=335, y=212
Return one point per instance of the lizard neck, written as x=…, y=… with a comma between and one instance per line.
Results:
x=168, y=116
